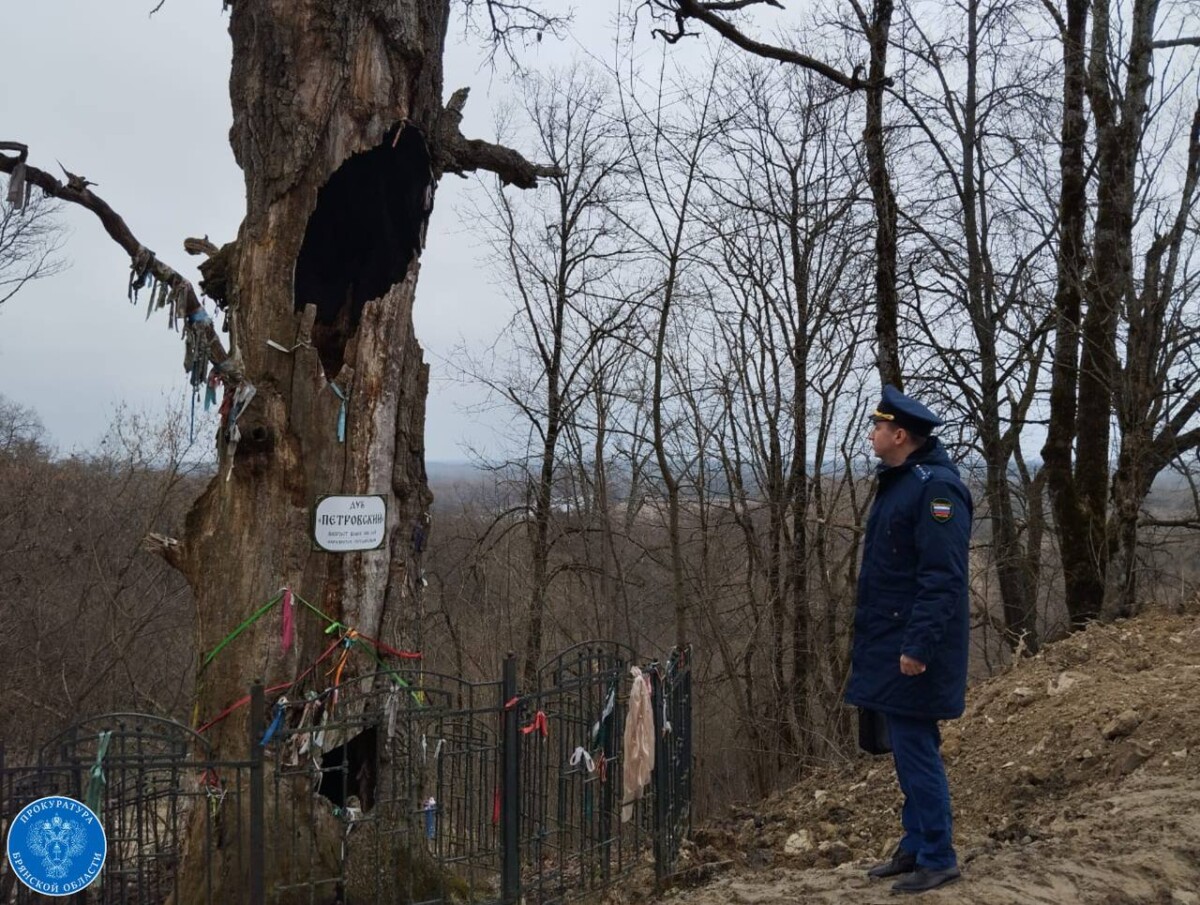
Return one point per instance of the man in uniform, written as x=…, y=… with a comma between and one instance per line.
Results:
x=910, y=627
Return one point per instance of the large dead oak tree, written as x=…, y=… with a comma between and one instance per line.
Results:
x=341, y=132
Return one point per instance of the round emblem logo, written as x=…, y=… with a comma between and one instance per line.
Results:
x=941, y=510
x=56, y=846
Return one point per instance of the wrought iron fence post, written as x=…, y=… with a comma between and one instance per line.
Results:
x=659, y=776
x=257, y=824
x=510, y=797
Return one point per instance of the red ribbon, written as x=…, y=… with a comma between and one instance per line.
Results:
x=282, y=686
x=539, y=724
x=210, y=778
x=241, y=702
x=226, y=405
x=389, y=650
x=289, y=620
x=496, y=807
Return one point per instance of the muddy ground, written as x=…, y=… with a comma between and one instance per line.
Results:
x=1075, y=777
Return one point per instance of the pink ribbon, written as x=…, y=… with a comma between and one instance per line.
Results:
x=289, y=620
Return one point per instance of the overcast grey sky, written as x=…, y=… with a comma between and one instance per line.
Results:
x=140, y=106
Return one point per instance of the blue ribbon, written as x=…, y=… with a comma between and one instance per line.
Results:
x=210, y=389
x=341, y=423
x=274, y=727
x=430, y=819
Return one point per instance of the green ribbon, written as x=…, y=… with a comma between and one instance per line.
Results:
x=253, y=618
x=333, y=626
x=395, y=676
x=95, y=790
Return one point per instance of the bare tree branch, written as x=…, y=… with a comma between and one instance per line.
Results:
x=30, y=239
x=707, y=13
x=168, y=548
x=1193, y=41
x=194, y=246
x=454, y=153
x=739, y=4
x=77, y=191
x=1056, y=15
x=509, y=21
x=1148, y=522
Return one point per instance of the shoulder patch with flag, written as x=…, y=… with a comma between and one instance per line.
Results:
x=942, y=510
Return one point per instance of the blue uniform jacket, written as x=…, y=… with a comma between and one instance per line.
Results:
x=912, y=591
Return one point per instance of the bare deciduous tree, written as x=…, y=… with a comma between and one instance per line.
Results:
x=560, y=254
x=980, y=245
x=786, y=291
x=875, y=27
x=1099, y=300
x=91, y=623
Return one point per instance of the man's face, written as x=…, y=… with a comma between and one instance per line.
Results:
x=885, y=439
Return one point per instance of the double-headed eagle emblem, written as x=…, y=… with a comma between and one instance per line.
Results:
x=57, y=842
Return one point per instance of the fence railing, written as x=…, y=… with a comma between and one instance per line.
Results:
x=401, y=787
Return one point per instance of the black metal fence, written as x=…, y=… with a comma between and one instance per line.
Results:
x=404, y=786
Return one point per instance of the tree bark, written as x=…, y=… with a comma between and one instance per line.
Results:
x=1145, y=391
x=340, y=131
x=1069, y=517
x=1016, y=593
x=887, y=299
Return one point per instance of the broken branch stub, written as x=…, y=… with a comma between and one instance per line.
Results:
x=454, y=153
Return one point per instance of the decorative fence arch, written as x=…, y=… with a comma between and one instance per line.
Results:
x=439, y=789
x=145, y=776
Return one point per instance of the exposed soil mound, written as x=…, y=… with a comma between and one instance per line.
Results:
x=1075, y=777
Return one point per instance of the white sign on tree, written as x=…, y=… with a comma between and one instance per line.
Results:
x=344, y=524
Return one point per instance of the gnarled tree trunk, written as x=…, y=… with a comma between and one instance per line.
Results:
x=340, y=130
x=333, y=111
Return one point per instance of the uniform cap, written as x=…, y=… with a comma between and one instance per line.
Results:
x=905, y=412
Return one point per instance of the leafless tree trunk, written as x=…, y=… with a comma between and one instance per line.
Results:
x=1069, y=517
x=1090, y=382
x=1156, y=373
x=876, y=27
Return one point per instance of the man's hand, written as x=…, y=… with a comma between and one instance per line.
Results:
x=911, y=667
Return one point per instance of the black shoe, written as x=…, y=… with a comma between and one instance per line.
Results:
x=901, y=862
x=923, y=879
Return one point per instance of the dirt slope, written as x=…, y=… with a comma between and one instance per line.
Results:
x=1075, y=776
